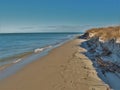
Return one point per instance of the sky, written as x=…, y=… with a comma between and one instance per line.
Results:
x=57, y=15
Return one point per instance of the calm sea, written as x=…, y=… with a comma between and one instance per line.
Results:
x=17, y=45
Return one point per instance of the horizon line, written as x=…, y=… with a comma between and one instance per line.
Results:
x=35, y=32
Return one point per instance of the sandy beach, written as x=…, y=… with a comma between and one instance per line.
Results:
x=64, y=68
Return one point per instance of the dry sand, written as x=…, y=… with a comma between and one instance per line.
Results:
x=64, y=68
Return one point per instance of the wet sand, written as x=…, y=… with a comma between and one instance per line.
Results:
x=64, y=68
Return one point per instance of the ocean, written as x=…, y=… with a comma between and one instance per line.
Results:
x=14, y=46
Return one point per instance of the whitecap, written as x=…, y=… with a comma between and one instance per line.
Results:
x=17, y=61
x=38, y=50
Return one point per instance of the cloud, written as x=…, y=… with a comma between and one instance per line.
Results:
x=27, y=27
x=55, y=28
x=67, y=26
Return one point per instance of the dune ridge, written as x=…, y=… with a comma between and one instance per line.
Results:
x=103, y=48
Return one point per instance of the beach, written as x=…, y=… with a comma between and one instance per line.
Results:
x=64, y=68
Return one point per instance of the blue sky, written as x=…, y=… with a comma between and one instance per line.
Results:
x=57, y=15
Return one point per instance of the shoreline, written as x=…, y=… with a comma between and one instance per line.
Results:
x=14, y=54
x=27, y=58
x=60, y=69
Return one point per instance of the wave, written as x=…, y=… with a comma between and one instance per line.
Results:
x=38, y=50
x=17, y=61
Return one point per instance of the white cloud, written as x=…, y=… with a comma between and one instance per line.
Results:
x=46, y=28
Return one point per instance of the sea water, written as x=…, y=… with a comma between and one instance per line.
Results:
x=14, y=45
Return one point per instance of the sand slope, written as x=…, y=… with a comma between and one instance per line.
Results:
x=64, y=68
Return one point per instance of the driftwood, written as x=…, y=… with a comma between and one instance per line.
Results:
x=107, y=65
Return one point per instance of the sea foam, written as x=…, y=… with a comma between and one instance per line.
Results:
x=38, y=50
